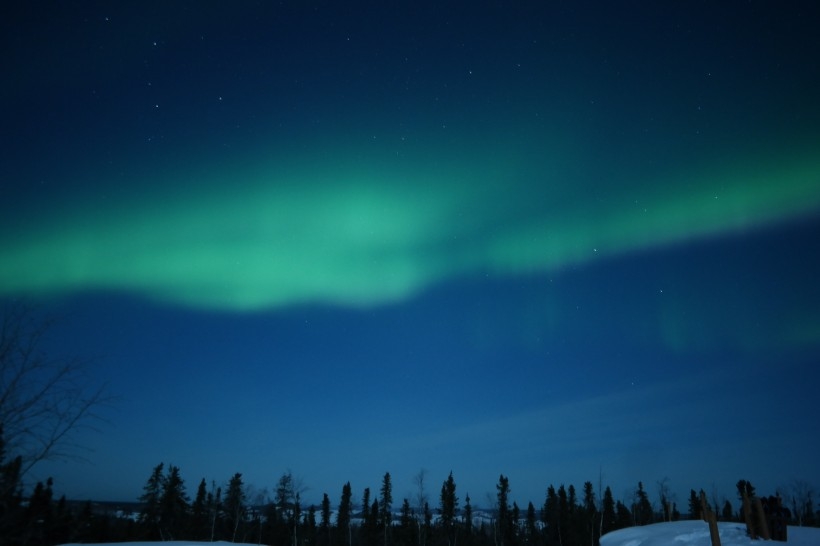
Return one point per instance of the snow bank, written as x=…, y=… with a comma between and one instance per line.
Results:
x=696, y=533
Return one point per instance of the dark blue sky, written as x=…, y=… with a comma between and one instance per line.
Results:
x=548, y=241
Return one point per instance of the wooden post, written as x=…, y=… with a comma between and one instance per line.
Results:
x=710, y=518
x=761, y=520
x=747, y=517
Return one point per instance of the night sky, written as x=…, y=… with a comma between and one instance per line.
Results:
x=550, y=240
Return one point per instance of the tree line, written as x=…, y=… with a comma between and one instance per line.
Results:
x=236, y=512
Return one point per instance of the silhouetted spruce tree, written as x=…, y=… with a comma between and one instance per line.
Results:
x=608, y=518
x=588, y=516
x=198, y=525
x=515, y=517
x=173, y=505
x=386, y=508
x=427, y=527
x=372, y=532
x=235, y=507
x=149, y=518
x=11, y=495
x=325, y=538
x=343, y=527
x=564, y=516
x=468, y=522
x=694, y=505
x=215, y=511
x=727, y=513
x=63, y=523
x=365, y=517
x=549, y=516
x=448, y=507
x=624, y=515
x=531, y=526
x=643, y=508
x=38, y=515
x=575, y=523
x=809, y=516
x=505, y=534
x=308, y=528
x=271, y=525
x=285, y=492
x=296, y=518
x=405, y=535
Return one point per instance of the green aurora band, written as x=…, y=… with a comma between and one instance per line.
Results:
x=358, y=236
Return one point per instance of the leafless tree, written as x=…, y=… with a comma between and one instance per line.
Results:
x=421, y=495
x=421, y=503
x=799, y=494
x=664, y=500
x=43, y=399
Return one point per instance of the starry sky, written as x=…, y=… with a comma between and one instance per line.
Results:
x=551, y=240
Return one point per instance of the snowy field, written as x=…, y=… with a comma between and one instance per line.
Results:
x=696, y=533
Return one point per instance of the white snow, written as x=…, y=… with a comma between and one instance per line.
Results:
x=696, y=533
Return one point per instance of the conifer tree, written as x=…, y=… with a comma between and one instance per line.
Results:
x=428, y=524
x=468, y=518
x=343, y=516
x=506, y=531
x=550, y=517
x=643, y=508
x=150, y=515
x=449, y=506
x=215, y=509
x=368, y=519
x=563, y=516
x=365, y=505
x=235, y=507
x=608, y=519
x=589, y=515
x=11, y=495
x=727, y=513
x=624, y=516
x=308, y=534
x=531, y=527
x=63, y=523
x=173, y=505
x=385, y=507
x=199, y=512
x=38, y=518
x=324, y=522
x=694, y=505
x=407, y=525
x=285, y=493
x=295, y=518
x=406, y=514
x=374, y=514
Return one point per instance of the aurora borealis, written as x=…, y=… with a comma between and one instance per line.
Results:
x=468, y=226
x=361, y=237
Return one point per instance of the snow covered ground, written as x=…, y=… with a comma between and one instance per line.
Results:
x=696, y=533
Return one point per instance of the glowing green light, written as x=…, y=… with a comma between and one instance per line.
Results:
x=368, y=236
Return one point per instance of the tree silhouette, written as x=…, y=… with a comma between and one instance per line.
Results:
x=43, y=399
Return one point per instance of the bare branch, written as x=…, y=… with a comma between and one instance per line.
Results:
x=43, y=399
